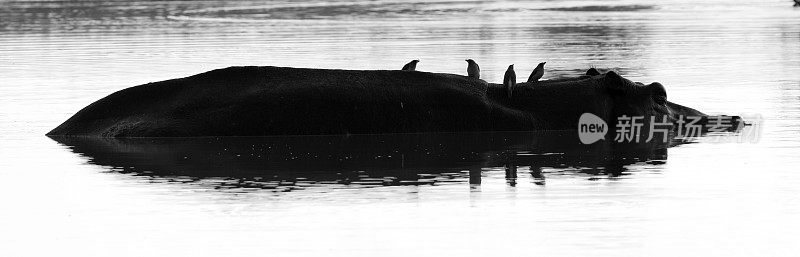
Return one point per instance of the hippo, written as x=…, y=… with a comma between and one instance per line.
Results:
x=270, y=101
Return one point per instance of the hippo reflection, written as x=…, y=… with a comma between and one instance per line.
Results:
x=287, y=163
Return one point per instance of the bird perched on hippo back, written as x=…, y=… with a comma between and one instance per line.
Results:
x=412, y=65
x=537, y=73
x=473, y=71
x=509, y=80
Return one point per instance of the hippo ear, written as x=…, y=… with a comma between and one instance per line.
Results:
x=592, y=72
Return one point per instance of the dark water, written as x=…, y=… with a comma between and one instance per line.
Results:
x=421, y=194
x=283, y=164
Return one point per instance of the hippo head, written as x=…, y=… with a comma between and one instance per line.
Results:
x=559, y=103
x=649, y=101
x=635, y=98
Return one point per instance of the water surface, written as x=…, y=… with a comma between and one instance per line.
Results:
x=407, y=194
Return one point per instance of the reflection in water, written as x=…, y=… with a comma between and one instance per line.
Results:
x=601, y=8
x=293, y=163
x=719, y=56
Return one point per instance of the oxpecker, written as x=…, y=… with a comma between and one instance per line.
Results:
x=509, y=80
x=537, y=73
x=412, y=65
x=473, y=71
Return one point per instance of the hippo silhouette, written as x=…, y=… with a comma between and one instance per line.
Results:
x=264, y=101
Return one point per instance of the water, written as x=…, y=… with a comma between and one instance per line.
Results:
x=399, y=195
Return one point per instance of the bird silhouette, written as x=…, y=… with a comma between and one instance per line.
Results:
x=473, y=71
x=537, y=73
x=509, y=80
x=412, y=65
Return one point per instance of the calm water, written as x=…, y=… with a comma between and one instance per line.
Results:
x=446, y=194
